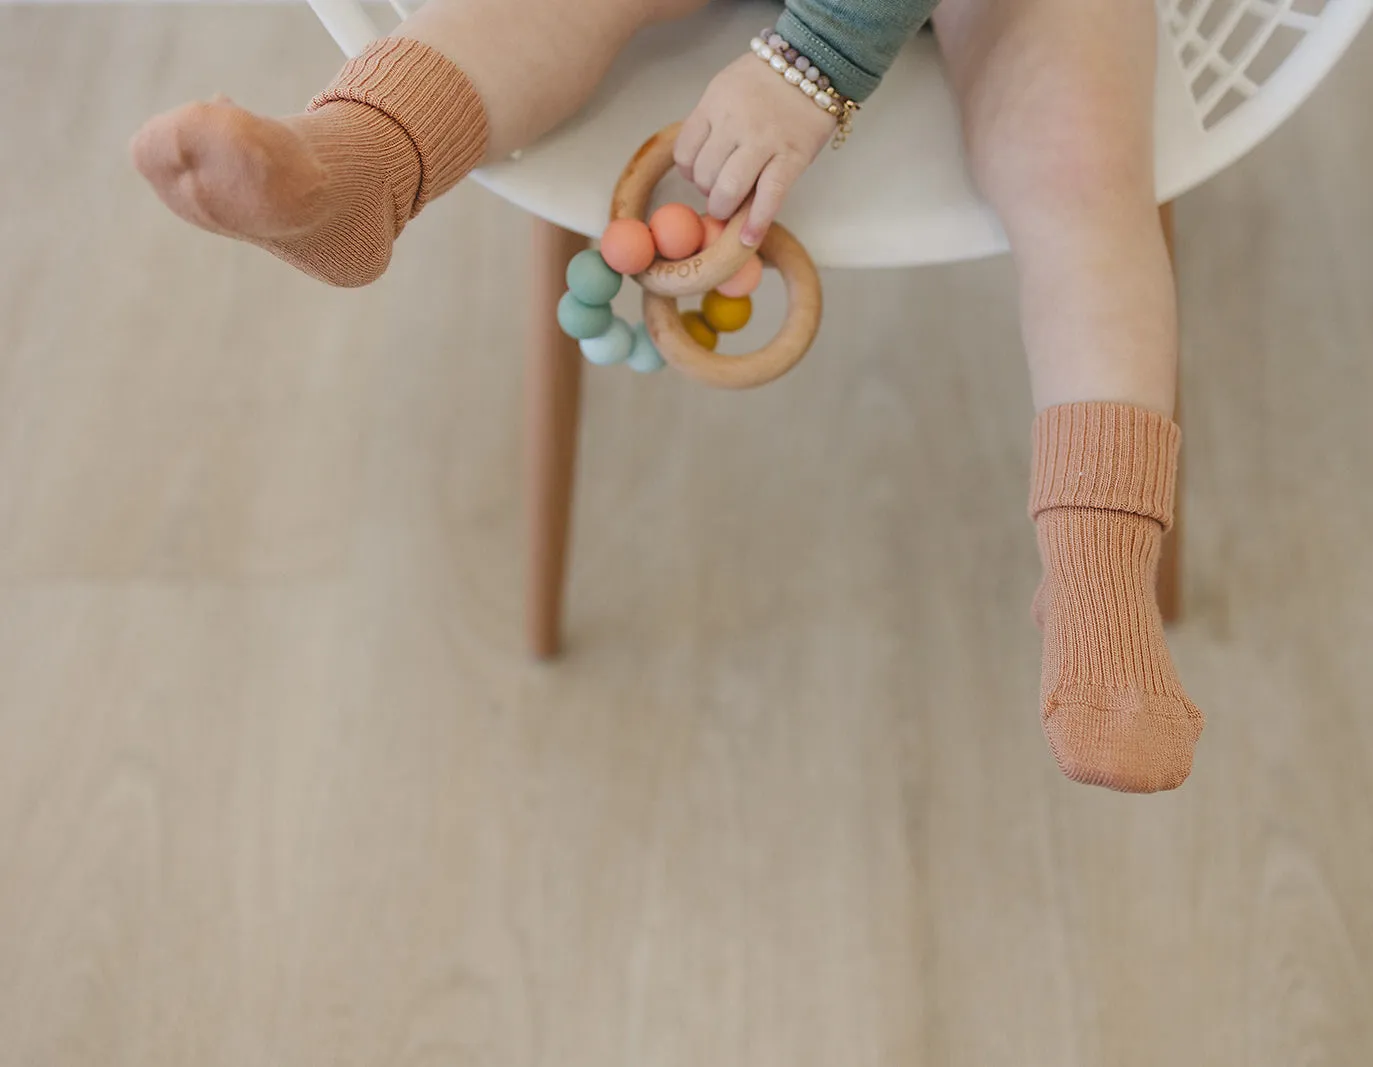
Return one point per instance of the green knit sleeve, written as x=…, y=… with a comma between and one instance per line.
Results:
x=853, y=41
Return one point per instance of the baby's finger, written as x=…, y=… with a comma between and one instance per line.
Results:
x=773, y=185
x=736, y=181
x=694, y=133
x=710, y=161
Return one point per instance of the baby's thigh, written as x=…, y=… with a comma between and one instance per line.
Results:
x=1053, y=87
x=667, y=10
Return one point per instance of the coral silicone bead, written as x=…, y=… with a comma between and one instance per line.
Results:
x=583, y=320
x=613, y=346
x=701, y=331
x=713, y=228
x=591, y=279
x=726, y=314
x=677, y=231
x=644, y=357
x=748, y=279
x=627, y=245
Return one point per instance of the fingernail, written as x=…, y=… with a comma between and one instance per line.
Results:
x=749, y=239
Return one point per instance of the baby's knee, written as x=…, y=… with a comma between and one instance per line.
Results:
x=1065, y=141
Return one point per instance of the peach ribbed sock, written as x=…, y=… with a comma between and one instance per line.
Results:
x=1113, y=709
x=327, y=191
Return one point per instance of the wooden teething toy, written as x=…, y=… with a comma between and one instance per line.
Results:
x=664, y=281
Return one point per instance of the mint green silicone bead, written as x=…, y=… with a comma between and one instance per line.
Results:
x=583, y=320
x=613, y=346
x=644, y=356
x=591, y=279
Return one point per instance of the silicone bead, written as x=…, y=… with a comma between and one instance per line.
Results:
x=701, y=331
x=712, y=227
x=627, y=245
x=613, y=346
x=591, y=279
x=644, y=356
x=748, y=279
x=678, y=231
x=583, y=320
x=726, y=314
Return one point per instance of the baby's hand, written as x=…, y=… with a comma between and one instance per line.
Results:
x=751, y=129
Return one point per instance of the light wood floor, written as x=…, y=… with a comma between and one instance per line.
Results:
x=277, y=785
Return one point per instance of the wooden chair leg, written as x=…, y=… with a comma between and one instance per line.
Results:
x=552, y=400
x=1170, y=562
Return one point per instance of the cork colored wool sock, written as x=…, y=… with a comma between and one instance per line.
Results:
x=327, y=191
x=1113, y=709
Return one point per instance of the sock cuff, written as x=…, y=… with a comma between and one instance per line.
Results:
x=424, y=93
x=1111, y=457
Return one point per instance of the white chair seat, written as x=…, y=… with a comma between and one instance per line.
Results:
x=898, y=193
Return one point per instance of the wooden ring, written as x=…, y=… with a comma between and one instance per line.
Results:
x=709, y=268
x=667, y=280
x=765, y=364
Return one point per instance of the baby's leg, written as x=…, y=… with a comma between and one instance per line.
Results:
x=534, y=62
x=1057, y=103
x=330, y=189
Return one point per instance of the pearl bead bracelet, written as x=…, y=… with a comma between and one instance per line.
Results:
x=801, y=72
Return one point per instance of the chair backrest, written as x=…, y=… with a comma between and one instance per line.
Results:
x=1229, y=50
x=1248, y=64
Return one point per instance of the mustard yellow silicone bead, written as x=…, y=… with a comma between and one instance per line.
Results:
x=726, y=313
x=701, y=331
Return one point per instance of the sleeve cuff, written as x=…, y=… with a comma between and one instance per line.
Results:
x=846, y=76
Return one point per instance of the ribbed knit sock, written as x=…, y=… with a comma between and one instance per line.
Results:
x=327, y=191
x=1113, y=709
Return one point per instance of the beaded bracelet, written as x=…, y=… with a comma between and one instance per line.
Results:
x=806, y=76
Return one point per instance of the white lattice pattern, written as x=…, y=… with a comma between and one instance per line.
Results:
x=1228, y=49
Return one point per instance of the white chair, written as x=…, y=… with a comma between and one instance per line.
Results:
x=1230, y=72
